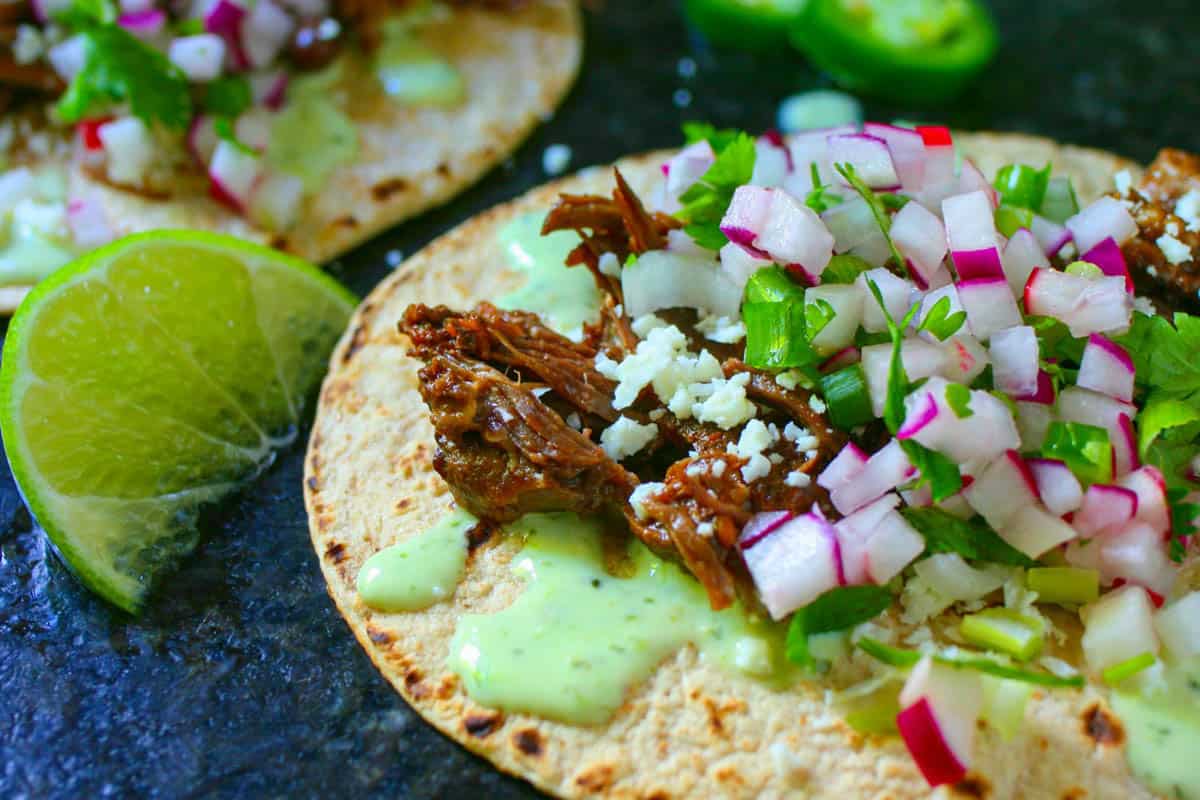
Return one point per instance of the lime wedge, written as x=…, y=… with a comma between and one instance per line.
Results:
x=153, y=376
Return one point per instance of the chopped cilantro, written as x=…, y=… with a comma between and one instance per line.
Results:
x=940, y=322
x=844, y=268
x=1086, y=449
x=939, y=472
x=1183, y=521
x=705, y=203
x=878, y=208
x=971, y=539
x=817, y=199
x=1162, y=413
x=835, y=610
x=227, y=96
x=897, y=385
x=119, y=68
x=718, y=138
x=81, y=13
x=959, y=398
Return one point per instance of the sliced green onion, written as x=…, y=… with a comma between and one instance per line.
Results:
x=1084, y=269
x=1010, y=219
x=775, y=335
x=1060, y=202
x=1004, y=702
x=1005, y=630
x=1023, y=186
x=847, y=397
x=1064, y=585
x=772, y=285
x=1127, y=668
x=898, y=657
x=1084, y=448
x=874, y=713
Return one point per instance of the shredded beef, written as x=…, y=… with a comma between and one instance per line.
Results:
x=31, y=79
x=1153, y=203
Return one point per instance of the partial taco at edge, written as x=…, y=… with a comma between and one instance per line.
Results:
x=847, y=464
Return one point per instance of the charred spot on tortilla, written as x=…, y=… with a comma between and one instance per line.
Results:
x=973, y=786
x=414, y=682
x=528, y=741
x=1102, y=727
x=335, y=552
x=385, y=189
x=380, y=636
x=358, y=340
x=596, y=778
x=482, y=724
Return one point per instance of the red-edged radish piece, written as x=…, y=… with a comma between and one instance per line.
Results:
x=770, y=163
x=1151, y=490
x=984, y=435
x=870, y=157
x=68, y=57
x=762, y=524
x=202, y=138
x=269, y=88
x=1137, y=554
x=89, y=133
x=145, y=25
x=1093, y=408
x=907, y=150
x=1103, y=307
x=135, y=6
x=233, y=174
x=738, y=264
x=842, y=358
x=265, y=32
x=965, y=359
x=129, y=149
x=920, y=359
x=687, y=167
x=1108, y=257
x=200, y=57
x=884, y=471
x=846, y=300
x=663, y=279
x=678, y=241
x=1106, y=368
x=1014, y=355
x=896, y=293
x=1035, y=531
x=939, y=153
x=1033, y=423
x=891, y=547
x=1052, y=293
x=1118, y=627
x=855, y=530
x=921, y=238
x=941, y=708
x=1051, y=236
x=852, y=224
x=1178, y=626
x=971, y=235
x=1104, y=508
x=276, y=200
x=794, y=564
x=957, y=580
x=1043, y=394
x=972, y=179
x=921, y=414
x=1022, y=255
x=1103, y=219
x=794, y=235
x=1004, y=487
x=806, y=149
x=89, y=224
x=843, y=468
x=1057, y=486
x=225, y=18
x=989, y=305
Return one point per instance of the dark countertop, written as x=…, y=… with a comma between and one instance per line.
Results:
x=242, y=680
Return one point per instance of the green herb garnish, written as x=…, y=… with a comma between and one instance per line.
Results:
x=971, y=539
x=836, y=610
x=705, y=202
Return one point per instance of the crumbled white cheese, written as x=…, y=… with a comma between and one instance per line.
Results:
x=1172, y=228
x=718, y=469
x=776, y=459
x=1123, y=180
x=798, y=479
x=726, y=405
x=722, y=329
x=646, y=323
x=1176, y=251
x=755, y=439
x=574, y=421
x=29, y=44
x=816, y=404
x=610, y=265
x=696, y=469
x=801, y=437
x=662, y=360
x=556, y=158
x=657, y=414
x=31, y=217
x=1144, y=305
x=625, y=437
x=641, y=494
x=1187, y=208
x=130, y=150
x=789, y=379
x=575, y=334
x=705, y=529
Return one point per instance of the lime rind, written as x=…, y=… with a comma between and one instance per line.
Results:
x=117, y=542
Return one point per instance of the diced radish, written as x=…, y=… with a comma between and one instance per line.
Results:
x=253, y=129
x=921, y=414
x=939, y=153
x=852, y=223
x=1137, y=554
x=225, y=18
x=275, y=203
x=1086, y=305
x=779, y=225
x=1052, y=293
x=1035, y=531
x=955, y=579
x=770, y=163
x=794, y=564
x=145, y=25
x=1106, y=368
x=1118, y=627
x=984, y=435
x=89, y=133
x=855, y=530
x=233, y=173
x=1014, y=355
x=1033, y=423
x=971, y=235
x=965, y=359
x=870, y=157
x=269, y=88
x=846, y=299
x=920, y=359
x=68, y=57
x=1002, y=489
x=1178, y=626
x=907, y=151
x=1104, y=507
x=200, y=56
x=891, y=547
x=89, y=224
x=1022, y=255
x=842, y=358
x=687, y=167
x=1105, y=218
x=989, y=305
x=265, y=32
x=809, y=148
x=921, y=238
x=941, y=707
x=957, y=506
x=762, y=524
x=895, y=292
x=1056, y=485
x=135, y=6
x=884, y=471
x=972, y=179
x=738, y=264
x=1108, y=257
x=1151, y=490
x=1092, y=408
x=843, y=468
x=1051, y=236
x=920, y=497
x=129, y=148
x=1043, y=394
x=663, y=279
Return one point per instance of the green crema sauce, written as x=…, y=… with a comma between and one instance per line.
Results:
x=1163, y=731
x=34, y=238
x=417, y=572
x=565, y=297
x=579, y=638
x=312, y=136
x=413, y=74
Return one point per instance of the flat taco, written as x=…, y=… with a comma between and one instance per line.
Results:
x=831, y=468
x=304, y=124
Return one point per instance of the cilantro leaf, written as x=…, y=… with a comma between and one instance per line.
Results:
x=897, y=386
x=227, y=96
x=844, y=268
x=718, y=138
x=940, y=322
x=705, y=202
x=959, y=398
x=119, y=68
x=1183, y=521
x=817, y=198
x=939, y=472
x=971, y=539
x=223, y=128
x=1162, y=413
x=817, y=314
x=81, y=13
x=835, y=610
x=1086, y=449
x=878, y=208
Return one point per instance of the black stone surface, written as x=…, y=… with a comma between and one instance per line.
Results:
x=241, y=681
